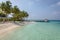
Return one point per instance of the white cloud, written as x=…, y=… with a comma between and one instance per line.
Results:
x=55, y=5
x=58, y=3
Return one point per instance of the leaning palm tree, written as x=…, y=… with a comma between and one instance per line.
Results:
x=23, y=14
x=15, y=10
x=8, y=9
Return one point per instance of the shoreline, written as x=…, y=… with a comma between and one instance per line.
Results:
x=8, y=27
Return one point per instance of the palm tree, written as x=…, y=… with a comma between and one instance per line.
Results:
x=3, y=6
x=25, y=14
x=15, y=10
x=8, y=9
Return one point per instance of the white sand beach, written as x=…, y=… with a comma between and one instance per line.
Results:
x=6, y=28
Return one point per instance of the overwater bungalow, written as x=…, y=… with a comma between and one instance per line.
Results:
x=46, y=20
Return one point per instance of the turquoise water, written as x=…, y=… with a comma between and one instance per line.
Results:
x=36, y=31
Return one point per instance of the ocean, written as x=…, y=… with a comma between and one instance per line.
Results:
x=36, y=31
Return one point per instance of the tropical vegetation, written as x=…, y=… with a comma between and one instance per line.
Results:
x=7, y=9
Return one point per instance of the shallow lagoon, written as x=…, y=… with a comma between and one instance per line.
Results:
x=36, y=31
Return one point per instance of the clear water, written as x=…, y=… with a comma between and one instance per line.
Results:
x=36, y=31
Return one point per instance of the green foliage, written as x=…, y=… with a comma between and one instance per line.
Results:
x=7, y=8
x=15, y=10
x=2, y=15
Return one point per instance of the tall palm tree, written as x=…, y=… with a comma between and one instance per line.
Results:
x=8, y=7
x=3, y=6
x=16, y=10
x=24, y=14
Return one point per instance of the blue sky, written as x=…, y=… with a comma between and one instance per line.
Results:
x=39, y=9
